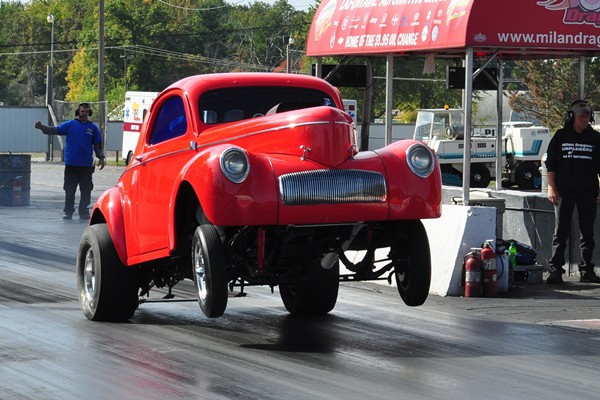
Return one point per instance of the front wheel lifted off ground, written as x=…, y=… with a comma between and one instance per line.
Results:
x=409, y=251
x=107, y=290
x=210, y=276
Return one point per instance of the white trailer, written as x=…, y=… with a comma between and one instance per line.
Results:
x=136, y=106
x=524, y=145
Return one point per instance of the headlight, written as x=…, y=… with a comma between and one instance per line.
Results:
x=420, y=160
x=234, y=164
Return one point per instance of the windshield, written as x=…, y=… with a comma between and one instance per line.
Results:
x=439, y=123
x=234, y=104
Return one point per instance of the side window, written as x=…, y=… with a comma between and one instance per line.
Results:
x=170, y=122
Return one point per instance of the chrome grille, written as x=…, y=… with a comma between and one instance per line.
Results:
x=332, y=187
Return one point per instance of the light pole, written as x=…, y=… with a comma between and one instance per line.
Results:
x=288, y=59
x=49, y=88
x=124, y=57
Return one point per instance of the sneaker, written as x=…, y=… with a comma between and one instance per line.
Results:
x=554, y=278
x=84, y=216
x=589, y=277
x=67, y=216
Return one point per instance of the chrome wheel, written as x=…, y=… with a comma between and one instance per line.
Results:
x=89, y=275
x=209, y=271
x=200, y=272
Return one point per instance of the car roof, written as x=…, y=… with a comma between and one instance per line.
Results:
x=201, y=83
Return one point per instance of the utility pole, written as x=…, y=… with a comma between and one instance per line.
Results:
x=102, y=111
x=50, y=88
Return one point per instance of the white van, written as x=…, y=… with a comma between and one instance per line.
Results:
x=136, y=106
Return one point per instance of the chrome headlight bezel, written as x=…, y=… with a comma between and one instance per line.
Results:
x=235, y=164
x=420, y=160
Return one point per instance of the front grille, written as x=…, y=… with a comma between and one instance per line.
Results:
x=332, y=187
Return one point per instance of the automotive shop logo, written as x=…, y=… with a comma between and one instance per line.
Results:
x=577, y=12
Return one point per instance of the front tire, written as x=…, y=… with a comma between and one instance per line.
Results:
x=480, y=176
x=315, y=292
x=210, y=275
x=107, y=290
x=410, y=253
x=526, y=174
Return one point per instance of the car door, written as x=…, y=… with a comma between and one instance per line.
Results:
x=161, y=162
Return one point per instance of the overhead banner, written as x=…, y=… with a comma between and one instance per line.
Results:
x=382, y=26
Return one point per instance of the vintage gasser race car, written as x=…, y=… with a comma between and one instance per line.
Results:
x=245, y=179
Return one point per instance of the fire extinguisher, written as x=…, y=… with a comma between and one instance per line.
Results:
x=472, y=275
x=16, y=192
x=488, y=258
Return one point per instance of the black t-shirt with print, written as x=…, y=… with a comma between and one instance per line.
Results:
x=575, y=159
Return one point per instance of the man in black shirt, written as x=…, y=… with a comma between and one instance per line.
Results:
x=573, y=164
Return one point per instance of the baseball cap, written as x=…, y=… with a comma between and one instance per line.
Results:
x=580, y=107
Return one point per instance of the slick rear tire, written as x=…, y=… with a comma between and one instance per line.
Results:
x=107, y=290
x=314, y=293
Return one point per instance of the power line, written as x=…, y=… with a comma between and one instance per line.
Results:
x=167, y=36
x=196, y=9
x=156, y=52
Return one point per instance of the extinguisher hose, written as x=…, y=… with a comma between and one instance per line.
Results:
x=503, y=268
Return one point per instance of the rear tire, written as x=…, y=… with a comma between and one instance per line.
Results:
x=315, y=293
x=107, y=290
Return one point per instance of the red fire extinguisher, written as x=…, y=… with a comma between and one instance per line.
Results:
x=472, y=275
x=488, y=258
x=16, y=192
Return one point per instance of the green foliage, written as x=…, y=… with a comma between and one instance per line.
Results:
x=552, y=86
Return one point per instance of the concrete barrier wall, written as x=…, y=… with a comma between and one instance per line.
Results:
x=529, y=218
x=451, y=237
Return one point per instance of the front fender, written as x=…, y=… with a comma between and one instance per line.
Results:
x=111, y=207
x=411, y=196
x=251, y=202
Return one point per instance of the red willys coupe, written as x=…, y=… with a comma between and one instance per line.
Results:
x=245, y=179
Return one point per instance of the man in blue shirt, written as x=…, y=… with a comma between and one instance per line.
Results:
x=82, y=139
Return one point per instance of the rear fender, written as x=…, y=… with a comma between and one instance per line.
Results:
x=109, y=209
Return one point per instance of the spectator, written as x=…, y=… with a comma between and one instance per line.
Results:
x=82, y=139
x=573, y=164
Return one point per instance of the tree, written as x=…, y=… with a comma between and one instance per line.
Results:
x=20, y=74
x=551, y=86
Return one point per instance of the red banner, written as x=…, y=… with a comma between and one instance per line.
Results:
x=382, y=26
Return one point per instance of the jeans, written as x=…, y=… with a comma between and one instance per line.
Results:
x=82, y=177
x=563, y=212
